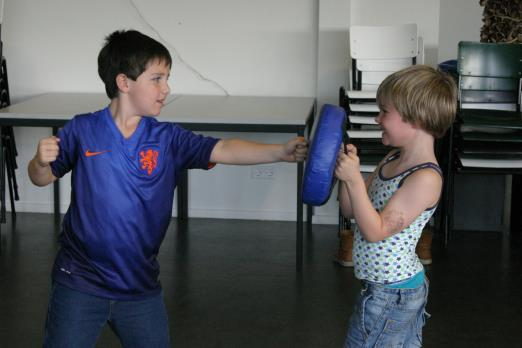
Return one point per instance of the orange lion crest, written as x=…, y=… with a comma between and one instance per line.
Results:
x=148, y=160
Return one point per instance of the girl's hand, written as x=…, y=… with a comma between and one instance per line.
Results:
x=347, y=166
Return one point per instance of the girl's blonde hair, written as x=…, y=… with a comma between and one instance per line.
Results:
x=423, y=96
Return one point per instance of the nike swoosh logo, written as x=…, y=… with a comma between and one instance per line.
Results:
x=90, y=154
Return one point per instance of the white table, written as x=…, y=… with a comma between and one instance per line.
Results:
x=194, y=112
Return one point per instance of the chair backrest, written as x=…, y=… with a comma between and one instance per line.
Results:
x=374, y=71
x=490, y=75
x=383, y=42
x=377, y=51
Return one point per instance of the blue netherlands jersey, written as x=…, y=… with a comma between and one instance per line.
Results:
x=121, y=201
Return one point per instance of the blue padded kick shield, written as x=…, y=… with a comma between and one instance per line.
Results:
x=329, y=133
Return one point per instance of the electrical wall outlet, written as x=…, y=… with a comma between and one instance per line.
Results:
x=263, y=172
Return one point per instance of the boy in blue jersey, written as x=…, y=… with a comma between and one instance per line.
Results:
x=392, y=206
x=125, y=166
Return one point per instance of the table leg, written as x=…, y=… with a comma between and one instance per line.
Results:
x=516, y=206
x=10, y=178
x=2, y=178
x=299, y=225
x=183, y=197
x=309, y=215
x=56, y=191
x=1, y=160
x=300, y=171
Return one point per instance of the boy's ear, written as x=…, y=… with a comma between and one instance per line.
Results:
x=122, y=82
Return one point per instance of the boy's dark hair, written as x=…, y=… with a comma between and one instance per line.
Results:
x=128, y=52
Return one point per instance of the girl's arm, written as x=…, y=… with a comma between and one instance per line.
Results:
x=344, y=198
x=420, y=191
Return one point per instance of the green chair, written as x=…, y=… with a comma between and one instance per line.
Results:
x=487, y=135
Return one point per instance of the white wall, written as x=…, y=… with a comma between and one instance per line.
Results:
x=332, y=72
x=269, y=47
x=460, y=20
x=333, y=62
x=248, y=47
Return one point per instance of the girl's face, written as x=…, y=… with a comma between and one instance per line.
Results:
x=395, y=131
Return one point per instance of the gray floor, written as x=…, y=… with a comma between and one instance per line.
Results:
x=231, y=283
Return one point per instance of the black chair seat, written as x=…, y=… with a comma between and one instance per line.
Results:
x=492, y=156
x=371, y=147
x=514, y=137
x=370, y=159
x=491, y=118
x=487, y=171
x=490, y=149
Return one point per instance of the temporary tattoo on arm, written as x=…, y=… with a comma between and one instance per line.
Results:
x=393, y=221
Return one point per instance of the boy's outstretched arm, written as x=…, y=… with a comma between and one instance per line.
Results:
x=237, y=151
x=39, y=167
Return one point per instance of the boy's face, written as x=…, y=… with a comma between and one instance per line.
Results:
x=394, y=129
x=147, y=94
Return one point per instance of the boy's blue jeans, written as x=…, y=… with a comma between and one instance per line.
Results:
x=76, y=319
x=385, y=317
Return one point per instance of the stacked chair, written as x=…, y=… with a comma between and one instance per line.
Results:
x=375, y=53
x=8, y=157
x=9, y=153
x=487, y=135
